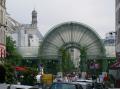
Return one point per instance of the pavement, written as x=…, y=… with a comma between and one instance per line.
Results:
x=5, y=86
x=12, y=86
x=114, y=88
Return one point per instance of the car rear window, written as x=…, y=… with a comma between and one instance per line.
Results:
x=63, y=86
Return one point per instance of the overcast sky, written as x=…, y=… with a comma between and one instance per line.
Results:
x=98, y=14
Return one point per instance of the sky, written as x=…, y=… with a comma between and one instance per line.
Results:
x=98, y=14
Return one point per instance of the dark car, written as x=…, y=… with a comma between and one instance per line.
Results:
x=62, y=85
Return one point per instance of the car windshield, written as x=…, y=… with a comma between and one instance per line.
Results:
x=99, y=86
x=95, y=86
x=63, y=86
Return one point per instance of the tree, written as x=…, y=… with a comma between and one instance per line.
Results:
x=12, y=54
x=10, y=73
x=28, y=76
x=83, y=57
x=66, y=64
x=50, y=66
x=13, y=58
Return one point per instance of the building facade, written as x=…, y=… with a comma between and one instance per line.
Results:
x=109, y=43
x=115, y=68
x=26, y=36
x=75, y=56
x=2, y=28
x=117, y=13
x=11, y=25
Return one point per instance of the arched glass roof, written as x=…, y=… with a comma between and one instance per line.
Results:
x=71, y=34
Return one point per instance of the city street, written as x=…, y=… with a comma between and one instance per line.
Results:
x=61, y=44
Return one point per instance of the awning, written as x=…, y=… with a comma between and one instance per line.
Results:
x=20, y=68
x=116, y=65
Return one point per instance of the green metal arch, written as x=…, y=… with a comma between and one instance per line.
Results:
x=59, y=28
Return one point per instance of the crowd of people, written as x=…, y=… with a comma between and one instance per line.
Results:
x=105, y=79
x=66, y=78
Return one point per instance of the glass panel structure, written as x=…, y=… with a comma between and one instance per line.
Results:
x=71, y=35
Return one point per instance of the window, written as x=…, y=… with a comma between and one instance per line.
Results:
x=25, y=32
x=64, y=86
x=0, y=35
x=117, y=2
x=1, y=16
x=118, y=36
x=0, y=2
x=3, y=3
x=119, y=16
x=30, y=36
x=29, y=42
x=4, y=37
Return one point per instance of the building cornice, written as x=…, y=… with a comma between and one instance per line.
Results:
x=2, y=44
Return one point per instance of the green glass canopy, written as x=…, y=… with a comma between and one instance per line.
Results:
x=71, y=35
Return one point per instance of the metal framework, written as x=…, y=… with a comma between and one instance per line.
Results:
x=71, y=35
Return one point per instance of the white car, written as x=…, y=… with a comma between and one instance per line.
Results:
x=83, y=80
x=21, y=87
x=89, y=84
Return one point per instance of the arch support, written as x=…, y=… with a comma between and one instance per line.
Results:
x=72, y=35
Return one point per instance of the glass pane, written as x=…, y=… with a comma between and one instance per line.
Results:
x=63, y=86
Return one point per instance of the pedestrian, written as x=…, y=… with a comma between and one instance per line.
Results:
x=39, y=80
x=106, y=81
x=65, y=79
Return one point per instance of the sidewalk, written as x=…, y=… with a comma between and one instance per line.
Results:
x=114, y=88
x=8, y=86
x=4, y=86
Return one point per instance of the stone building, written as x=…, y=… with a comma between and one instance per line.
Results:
x=115, y=68
x=117, y=13
x=109, y=43
x=2, y=28
x=26, y=36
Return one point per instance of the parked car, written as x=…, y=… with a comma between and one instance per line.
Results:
x=61, y=85
x=89, y=84
x=84, y=80
x=85, y=85
x=21, y=87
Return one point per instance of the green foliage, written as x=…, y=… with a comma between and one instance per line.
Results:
x=10, y=73
x=13, y=56
x=67, y=63
x=83, y=52
x=50, y=66
x=10, y=45
x=83, y=57
x=28, y=76
x=13, y=59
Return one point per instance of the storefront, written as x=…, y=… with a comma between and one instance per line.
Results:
x=2, y=51
x=115, y=72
